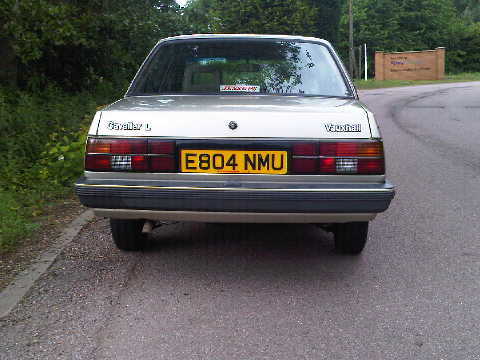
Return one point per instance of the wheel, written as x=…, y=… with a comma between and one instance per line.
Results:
x=127, y=234
x=350, y=238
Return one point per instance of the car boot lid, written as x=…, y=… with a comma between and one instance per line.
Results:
x=242, y=116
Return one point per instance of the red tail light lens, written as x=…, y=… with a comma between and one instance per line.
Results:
x=328, y=149
x=162, y=164
x=130, y=155
x=128, y=147
x=139, y=163
x=305, y=149
x=352, y=149
x=97, y=163
x=304, y=165
x=117, y=146
x=327, y=166
x=162, y=147
x=371, y=166
x=338, y=157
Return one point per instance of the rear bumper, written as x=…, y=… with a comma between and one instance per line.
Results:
x=160, y=199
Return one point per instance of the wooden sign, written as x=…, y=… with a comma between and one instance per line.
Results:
x=410, y=65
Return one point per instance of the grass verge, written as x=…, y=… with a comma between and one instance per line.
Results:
x=451, y=78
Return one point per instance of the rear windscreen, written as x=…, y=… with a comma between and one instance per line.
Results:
x=240, y=67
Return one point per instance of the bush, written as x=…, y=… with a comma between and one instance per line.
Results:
x=62, y=160
x=42, y=139
x=42, y=136
x=463, y=49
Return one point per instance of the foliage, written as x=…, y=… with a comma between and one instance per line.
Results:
x=463, y=49
x=42, y=139
x=389, y=25
x=70, y=55
x=469, y=9
x=322, y=17
x=327, y=18
x=13, y=222
x=36, y=24
x=386, y=25
x=77, y=43
x=30, y=125
x=62, y=160
x=197, y=15
x=263, y=17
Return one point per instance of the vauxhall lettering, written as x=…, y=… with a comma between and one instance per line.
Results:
x=343, y=127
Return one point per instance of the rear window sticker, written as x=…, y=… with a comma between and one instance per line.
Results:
x=240, y=88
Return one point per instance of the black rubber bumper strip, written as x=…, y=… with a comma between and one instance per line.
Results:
x=234, y=200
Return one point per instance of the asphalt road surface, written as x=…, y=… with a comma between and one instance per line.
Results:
x=279, y=292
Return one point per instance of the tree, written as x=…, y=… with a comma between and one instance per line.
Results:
x=327, y=18
x=469, y=9
x=197, y=15
x=76, y=43
x=263, y=16
x=323, y=16
x=392, y=25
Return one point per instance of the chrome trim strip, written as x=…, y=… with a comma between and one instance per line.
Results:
x=233, y=217
x=244, y=178
x=233, y=189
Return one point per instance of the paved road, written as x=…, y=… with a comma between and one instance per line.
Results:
x=280, y=292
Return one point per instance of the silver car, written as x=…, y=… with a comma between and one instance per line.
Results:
x=237, y=128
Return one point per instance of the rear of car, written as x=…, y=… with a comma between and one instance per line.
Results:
x=237, y=128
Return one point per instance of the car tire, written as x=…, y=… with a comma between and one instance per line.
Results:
x=127, y=234
x=350, y=238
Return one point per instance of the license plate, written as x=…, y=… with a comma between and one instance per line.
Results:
x=234, y=161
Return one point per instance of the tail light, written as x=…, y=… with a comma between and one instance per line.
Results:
x=143, y=155
x=117, y=146
x=363, y=157
x=98, y=162
x=340, y=157
x=162, y=164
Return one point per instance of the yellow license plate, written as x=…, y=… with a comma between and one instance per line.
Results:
x=234, y=161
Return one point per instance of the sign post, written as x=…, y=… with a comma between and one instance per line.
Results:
x=366, y=63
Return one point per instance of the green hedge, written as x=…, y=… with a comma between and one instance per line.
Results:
x=42, y=139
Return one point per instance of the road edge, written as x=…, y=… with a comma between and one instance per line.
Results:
x=11, y=296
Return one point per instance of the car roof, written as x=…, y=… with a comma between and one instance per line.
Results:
x=246, y=36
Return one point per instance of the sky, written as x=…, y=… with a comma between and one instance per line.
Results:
x=182, y=2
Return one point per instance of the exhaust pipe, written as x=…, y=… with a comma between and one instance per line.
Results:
x=148, y=227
